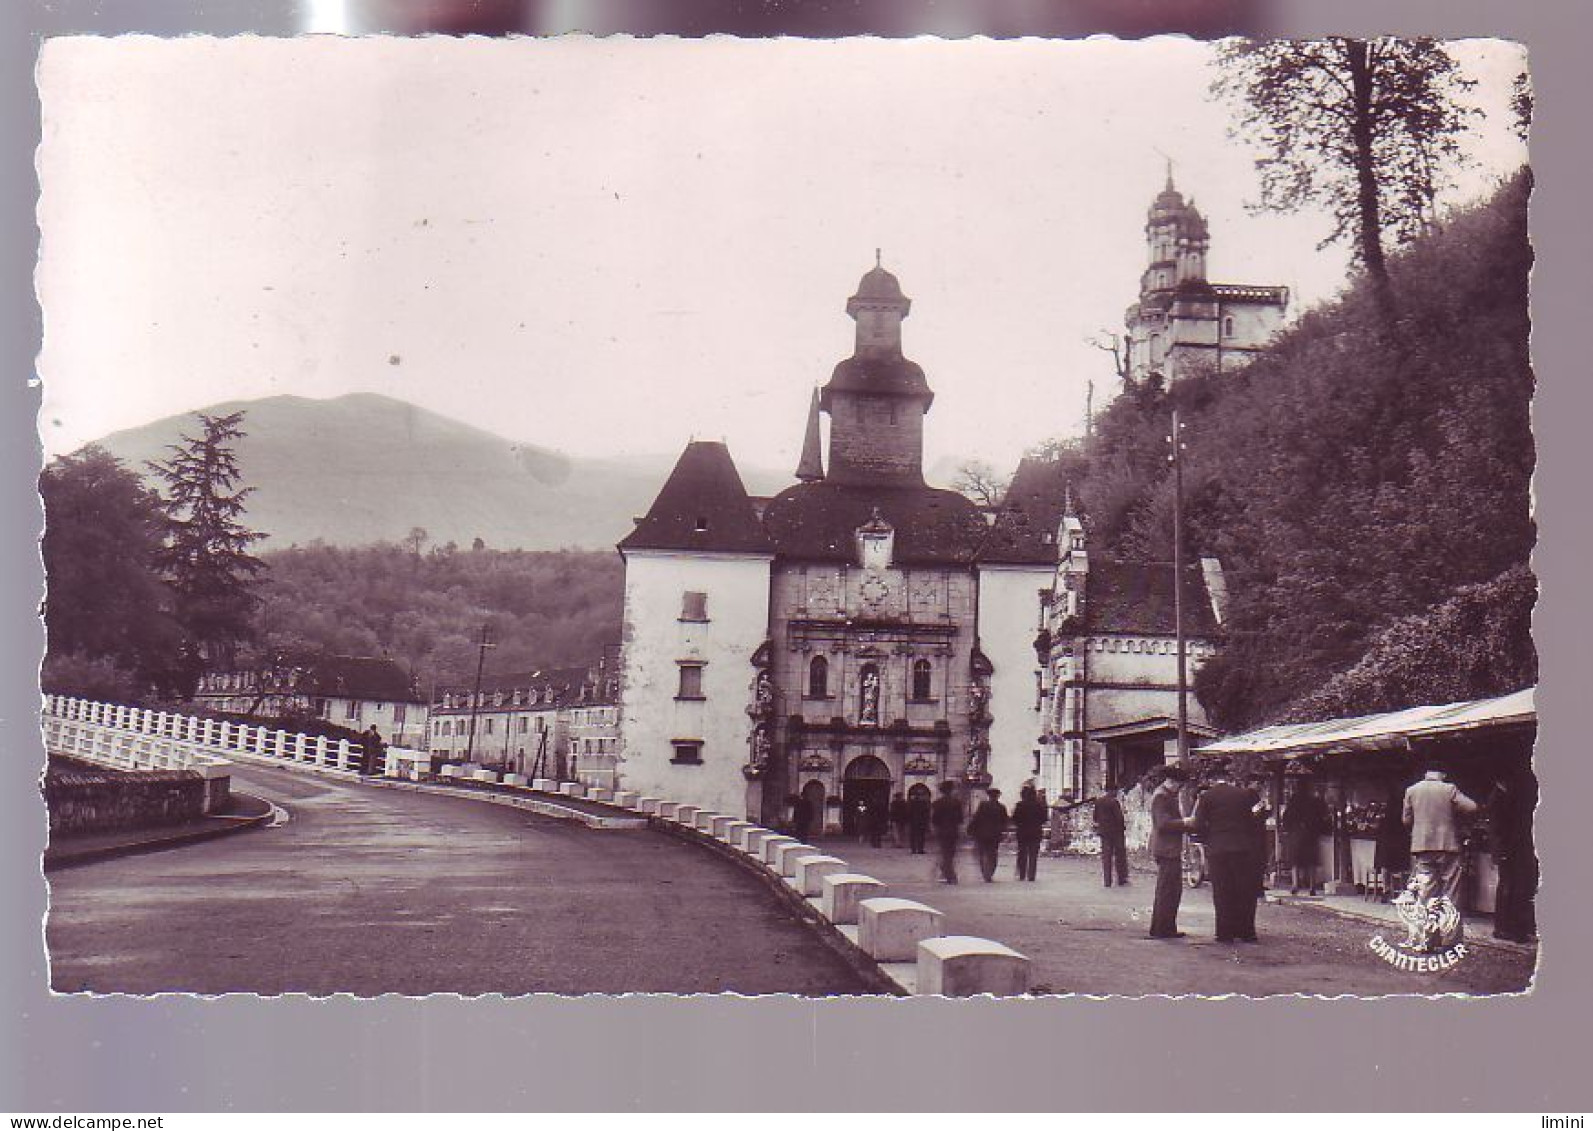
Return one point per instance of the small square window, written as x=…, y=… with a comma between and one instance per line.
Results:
x=690, y=682
x=694, y=606
x=688, y=752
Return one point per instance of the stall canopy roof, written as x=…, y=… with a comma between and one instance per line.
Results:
x=1380, y=732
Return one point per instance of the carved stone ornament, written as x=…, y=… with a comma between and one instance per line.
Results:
x=814, y=762
x=920, y=767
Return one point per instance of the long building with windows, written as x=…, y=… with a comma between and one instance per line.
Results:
x=560, y=723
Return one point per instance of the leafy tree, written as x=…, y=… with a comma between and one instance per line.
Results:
x=207, y=557
x=1362, y=127
x=107, y=610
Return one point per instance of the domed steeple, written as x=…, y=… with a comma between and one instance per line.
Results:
x=877, y=397
x=1178, y=238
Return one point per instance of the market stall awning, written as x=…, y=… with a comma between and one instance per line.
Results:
x=1389, y=731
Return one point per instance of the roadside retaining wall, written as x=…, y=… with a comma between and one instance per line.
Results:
x=83, y=801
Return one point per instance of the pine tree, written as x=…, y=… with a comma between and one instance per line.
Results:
x=206, y=557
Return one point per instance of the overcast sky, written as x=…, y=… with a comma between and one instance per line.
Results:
x=610, y=246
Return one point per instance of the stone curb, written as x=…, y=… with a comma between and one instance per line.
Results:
x=879, y=980
x=144, y=844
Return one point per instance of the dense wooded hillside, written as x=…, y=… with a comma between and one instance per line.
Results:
x=545, y=609
x=1361, y=479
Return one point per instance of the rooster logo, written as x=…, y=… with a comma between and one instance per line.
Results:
x=1431, y=923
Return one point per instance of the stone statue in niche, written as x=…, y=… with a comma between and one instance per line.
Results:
x=868, y=706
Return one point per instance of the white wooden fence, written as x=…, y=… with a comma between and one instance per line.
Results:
x=133, y=738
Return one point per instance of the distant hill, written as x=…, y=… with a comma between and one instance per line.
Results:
x=366, y=468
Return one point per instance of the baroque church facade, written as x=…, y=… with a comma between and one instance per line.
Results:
x=863, y=634
x=845, y=640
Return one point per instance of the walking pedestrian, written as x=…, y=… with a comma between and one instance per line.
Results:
x=946, y=817
x=1109, y=824
x=899, y=820
x=1225, y=819
x=1028, y=823
x=1431, y=811
x=373, y=752
x=1167, y=849
x=918, y=809
x=1305, y=821
x=988, y=826
x=879, y=820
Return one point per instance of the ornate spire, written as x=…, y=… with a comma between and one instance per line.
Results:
x=810, y=468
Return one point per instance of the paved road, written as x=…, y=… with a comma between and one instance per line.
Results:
x=1084, y=938
x=371, y=891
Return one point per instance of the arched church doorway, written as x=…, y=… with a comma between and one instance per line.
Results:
x=920, y=792
x=813, y=794
x=867, y=783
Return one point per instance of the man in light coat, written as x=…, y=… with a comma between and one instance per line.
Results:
x=1432, y=813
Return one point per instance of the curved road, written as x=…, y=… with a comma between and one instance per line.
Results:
x=370, y=891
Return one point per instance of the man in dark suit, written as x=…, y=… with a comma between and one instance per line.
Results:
x=1167, y=849
x=946, y=816
x=1225, y=819
x=1108, y=815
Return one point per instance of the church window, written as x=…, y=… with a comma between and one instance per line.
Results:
x=893, y=412
x=1227, y=327
x=923, y=673
x=690, y=681
x=694, y=606
x=819, y=678
x=702, y=523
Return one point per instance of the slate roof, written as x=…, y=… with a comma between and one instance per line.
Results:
x=359, y=677
x=1137, y=597
x=565, y=683
x=883, y=374
x=818, y=521
x=1031, y=511
x=703, y=506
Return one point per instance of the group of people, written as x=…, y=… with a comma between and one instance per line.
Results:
x=1230, y=817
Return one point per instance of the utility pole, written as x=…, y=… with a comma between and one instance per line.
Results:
x=1176, y=442
x=475, y=698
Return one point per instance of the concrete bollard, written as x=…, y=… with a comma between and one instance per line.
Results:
x=647, y=805
x=721, y=823
x=598, y=793
x=572, y=789
x=889, y=930
x=668, y=809
x=686, y=814
x=842, y=891
x=705, y=821
x=772, y=844
x=514, y=779
x=735, y=832
x=450, y=771
x=545, y=785
x=485, y=775
x=753, y=840
x=626, y=798
x=962, y=966
x=785, y=857
x=810, y=871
